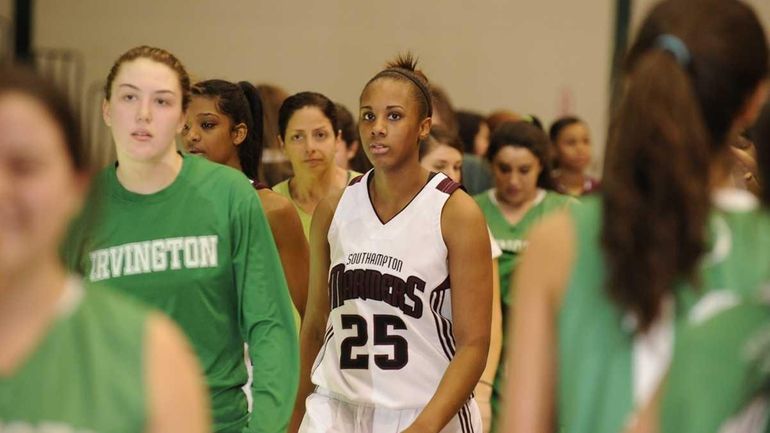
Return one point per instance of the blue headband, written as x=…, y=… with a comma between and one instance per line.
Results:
x=673, y=45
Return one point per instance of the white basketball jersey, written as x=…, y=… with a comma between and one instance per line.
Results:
x=389, y=335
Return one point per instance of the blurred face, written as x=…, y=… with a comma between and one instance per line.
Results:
x=444, y=159
x=515, y=171
x=144, y=111
x=390, y=124
x=310, y=141
x=210, y=133
x=481, y=140
x=573, y=147
x=343, y=153
x=39, y=188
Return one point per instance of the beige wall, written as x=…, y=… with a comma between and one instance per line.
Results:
x=6, y=8
x=543, y=57
x=533, y=57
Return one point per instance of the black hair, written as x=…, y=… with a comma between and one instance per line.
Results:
x=559, y=124
x=347, y=125
x=301, y=100
x=469, y=124
x=528, y=136
x=404, y=68
x=442, y=105
x=241, y=103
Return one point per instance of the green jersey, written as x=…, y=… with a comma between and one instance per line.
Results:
x=86, y=375
x=720, y=370
x=511, y=238
x=600, y=366
x=201, y=251
x=283, y=189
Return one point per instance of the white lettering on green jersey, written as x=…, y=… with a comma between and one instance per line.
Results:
x=133, y=258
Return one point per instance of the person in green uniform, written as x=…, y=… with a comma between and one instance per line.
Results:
x=602, y=287
x=719, y=375
x=442, y=152
x=224, y=125
x=724, y=339
x=189, y=237
x=518, y=154
x=308, y=133
x=73, y=358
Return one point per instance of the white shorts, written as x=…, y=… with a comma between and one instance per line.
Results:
x=325, y=413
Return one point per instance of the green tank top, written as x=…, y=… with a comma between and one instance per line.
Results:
x=731, y=350
x=86, y=374
x=511, y=238
x=596, y=385
x=283, y=189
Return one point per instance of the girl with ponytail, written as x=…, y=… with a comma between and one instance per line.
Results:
x=603, y=287
x=397, y=327
x=224, y=124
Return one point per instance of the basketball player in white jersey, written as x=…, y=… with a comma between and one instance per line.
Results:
x=397, y=324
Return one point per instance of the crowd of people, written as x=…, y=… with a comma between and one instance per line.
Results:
x=255, y=261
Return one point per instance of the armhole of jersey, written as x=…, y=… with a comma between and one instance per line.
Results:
x=355, y=180
x=449, y=186
x=333, y=223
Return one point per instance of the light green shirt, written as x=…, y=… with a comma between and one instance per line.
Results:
x=283, y=189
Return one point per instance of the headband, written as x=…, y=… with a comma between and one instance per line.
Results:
x=414, y=79
x=673, y=45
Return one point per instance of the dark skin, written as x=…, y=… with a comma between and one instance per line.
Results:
x=291, y=243
x=390, y=127
x=219, y=141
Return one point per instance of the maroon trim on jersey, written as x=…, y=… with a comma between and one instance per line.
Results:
x=260, y=185
x=355, y=180
x=448, y=186
x=443, y=325
x=431, y=175
x=327, y=338
x=466, y=425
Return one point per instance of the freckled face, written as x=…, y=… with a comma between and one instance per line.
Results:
x=144, y=112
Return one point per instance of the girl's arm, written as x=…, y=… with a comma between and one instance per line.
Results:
x=292, y=245
x=483, y=391
x=470, y=272
x=265, y=316
x=540, y=282
x=317, y=308
x=178, y=399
